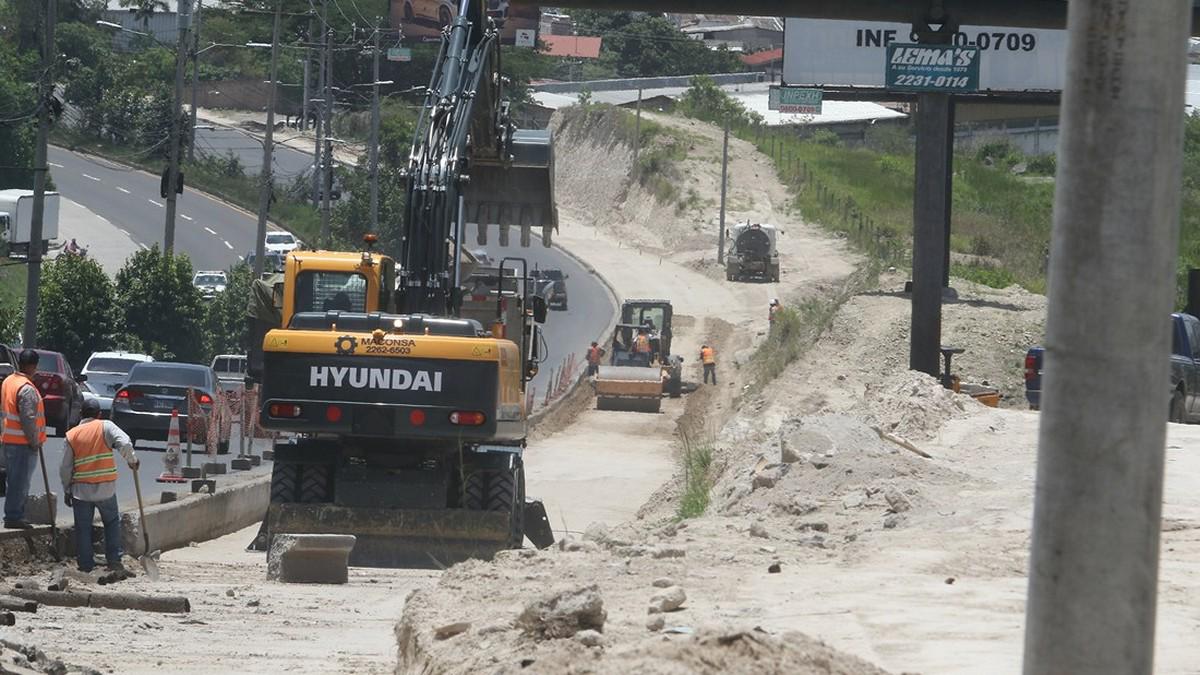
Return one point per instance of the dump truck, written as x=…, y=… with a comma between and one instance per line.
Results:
x=407, y=416
x=636, y=381
x=752, y=253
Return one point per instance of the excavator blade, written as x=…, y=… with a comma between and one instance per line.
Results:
x=517, y=193
x=429, y=538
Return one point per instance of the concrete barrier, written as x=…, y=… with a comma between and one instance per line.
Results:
x=198, y=517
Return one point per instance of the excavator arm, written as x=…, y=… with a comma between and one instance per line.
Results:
x=469, y=165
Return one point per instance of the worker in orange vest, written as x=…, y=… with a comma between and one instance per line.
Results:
x=89, y=478
x=642, y=346
x=708, y=356
x=595, y=354
x=23, y=436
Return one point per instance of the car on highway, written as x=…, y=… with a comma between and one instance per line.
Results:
x=557, y=282
x=230, y=370
x=272, y=261
x=282, y=242
x=106, y=372
x=62, y=394
x=8, y=361
x=143, y=405
x=210, y=282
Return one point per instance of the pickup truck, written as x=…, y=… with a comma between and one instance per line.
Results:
x=1184, y=395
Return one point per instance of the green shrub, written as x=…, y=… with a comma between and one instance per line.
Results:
x=697, y=461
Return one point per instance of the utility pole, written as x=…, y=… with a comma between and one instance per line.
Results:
x=34, y=255
x=1093, y=568
x=373, y=148
x=319, y=122
x=637, y=129
x=934, y=156
x=185, y=7
x=265, y=175
x=195, y=77
x=327, y=167
x=724, y=180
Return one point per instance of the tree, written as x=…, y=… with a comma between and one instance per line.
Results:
x=226, y=330
x=76, y=314
x=642, y=45
x=18, y=109
x=163, y=313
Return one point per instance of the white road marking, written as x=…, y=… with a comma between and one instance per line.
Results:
x=122, y=189
x=91, y=177
x=125, y=232
x=144, y=247
x=57, y=166
x=188, y=218
x=228, y=245
x=241, y=258
x=210, y=231
x=155, y=203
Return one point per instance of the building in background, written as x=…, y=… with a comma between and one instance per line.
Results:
x=162, y=25
x=736, y=32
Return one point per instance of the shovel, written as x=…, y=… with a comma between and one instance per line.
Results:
x=148, y=559
x=49, y=508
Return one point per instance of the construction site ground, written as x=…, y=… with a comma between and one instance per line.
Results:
x=826, y=548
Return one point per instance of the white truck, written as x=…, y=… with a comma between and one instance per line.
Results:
x=16, y=217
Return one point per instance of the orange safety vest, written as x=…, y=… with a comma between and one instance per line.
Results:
x=594, y=354
x=708, y=355
x=13, y=434
x=641, y=345
x=94, y=461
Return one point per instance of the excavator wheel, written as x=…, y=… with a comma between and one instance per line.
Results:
x=500, y=491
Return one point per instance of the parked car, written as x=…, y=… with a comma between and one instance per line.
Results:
x=272, y=261
x=61, y=393
x=210, y=282
x=282, y=242
x=106, y=372
x=557, y=297
x=230, y=370
x=143, y=405
x=1183, y=398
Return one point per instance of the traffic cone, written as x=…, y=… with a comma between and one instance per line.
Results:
x=171, y=459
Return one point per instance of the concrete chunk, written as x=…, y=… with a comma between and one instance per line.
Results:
x=310, y=558
x=241, y=464
x=214, y=468
x=190, y=471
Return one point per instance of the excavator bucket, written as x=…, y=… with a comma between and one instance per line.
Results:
x=518, y=192
x=633, y=388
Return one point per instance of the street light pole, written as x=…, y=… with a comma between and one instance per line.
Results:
x=185, y=7
x=40, y=168
x=265, y=175
x=195, y=78
x=327, y=167
x=373, y=148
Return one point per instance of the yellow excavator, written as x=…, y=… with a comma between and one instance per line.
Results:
x=408, y=419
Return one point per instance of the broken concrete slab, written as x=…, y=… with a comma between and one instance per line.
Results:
x=310, y=558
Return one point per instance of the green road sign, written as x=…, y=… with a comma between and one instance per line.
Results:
x=795, y=100
x=944, y=68
x=403, y=54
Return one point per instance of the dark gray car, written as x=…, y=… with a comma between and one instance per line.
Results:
x=142, y=407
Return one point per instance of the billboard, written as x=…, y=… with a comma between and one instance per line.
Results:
x=835, y=53
x=423, y=20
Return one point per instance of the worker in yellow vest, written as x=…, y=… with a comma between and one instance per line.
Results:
x=24, y=434
x=89, y=478
x=708, y=356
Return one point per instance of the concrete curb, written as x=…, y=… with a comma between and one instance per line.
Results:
x=198, y=517
x=605, y=336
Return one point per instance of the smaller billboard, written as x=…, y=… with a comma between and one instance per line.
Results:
x=795, y=100
x=941, y=68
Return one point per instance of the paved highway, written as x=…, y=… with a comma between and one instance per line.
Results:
x=215, y=234
x=221, y=141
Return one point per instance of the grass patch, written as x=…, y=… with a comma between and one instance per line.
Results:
x=697, y=460
x=988, y=275
x=12, y=299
